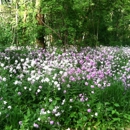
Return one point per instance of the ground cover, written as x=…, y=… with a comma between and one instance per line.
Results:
x=57, y=90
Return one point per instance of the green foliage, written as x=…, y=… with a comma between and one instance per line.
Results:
x=82, y=23
x=88, y=22
x=5, y=33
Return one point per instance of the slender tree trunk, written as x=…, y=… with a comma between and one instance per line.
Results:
x=40, y=24
x=0, y=4
x=16, y=24
x=24, y=20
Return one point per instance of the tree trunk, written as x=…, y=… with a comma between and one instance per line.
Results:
x=40, y=40
x=0, y=4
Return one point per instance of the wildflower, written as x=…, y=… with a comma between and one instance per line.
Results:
x=50, y=100
x=61, y=72
x=80, y=95
x=19, y=93
x=9, y=107
x=68, y=86
x=63, y=102
x=63, y=80
x=82, y=99
x=99, y=85
x=46, y=80
x=14, y=71
x=57, y=114
x=92, y=92
x=72, y=78
x=71, y=100
x=25, y=88
x=83, y=78
x=81, y=61
x=86, y=83
x=38, y=119
x=29, y=79
x=36, y=125
x=16, y=82
x=65, y=74
x=18, y=67
x=33, y=63
x=48, y=111
x=54, y=78
x=54, y=110
x=109, y=84
x=58, y=85
x=38, y=90
x=79, y=70
x=22, y=60
x=4, y=79
x=51, y=122
x=89, y=110
x=40, y=87
x=86, y=99
x=16, y=61
x=20, y=122
x=96, y=114
x=88, y=77
x=42, y=80
x=56, y=107
x=59, y=88
x=64, y=91
x=2, y=65
x=42, y=112
x=5, y=102
x=92, y=86
x=37, y=78
x=79, y=78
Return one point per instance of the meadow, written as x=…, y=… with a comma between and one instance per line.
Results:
x=86, y=89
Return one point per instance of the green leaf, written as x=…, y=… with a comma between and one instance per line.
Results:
x=107, y=103
x=54, y=102
x=113, y=111
x=116, y=105
x=16, y=90
x=73, y=114
x=51, y=107
x=109, y=108
x=98, y=123
x=84, y=118
x=58, y=99
x=116, y=119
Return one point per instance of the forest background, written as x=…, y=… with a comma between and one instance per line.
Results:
x=64, y=22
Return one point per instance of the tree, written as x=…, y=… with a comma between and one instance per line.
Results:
x=40, y=39
x=72, y=22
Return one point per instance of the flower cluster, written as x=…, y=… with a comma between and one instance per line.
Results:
x=60, y=85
